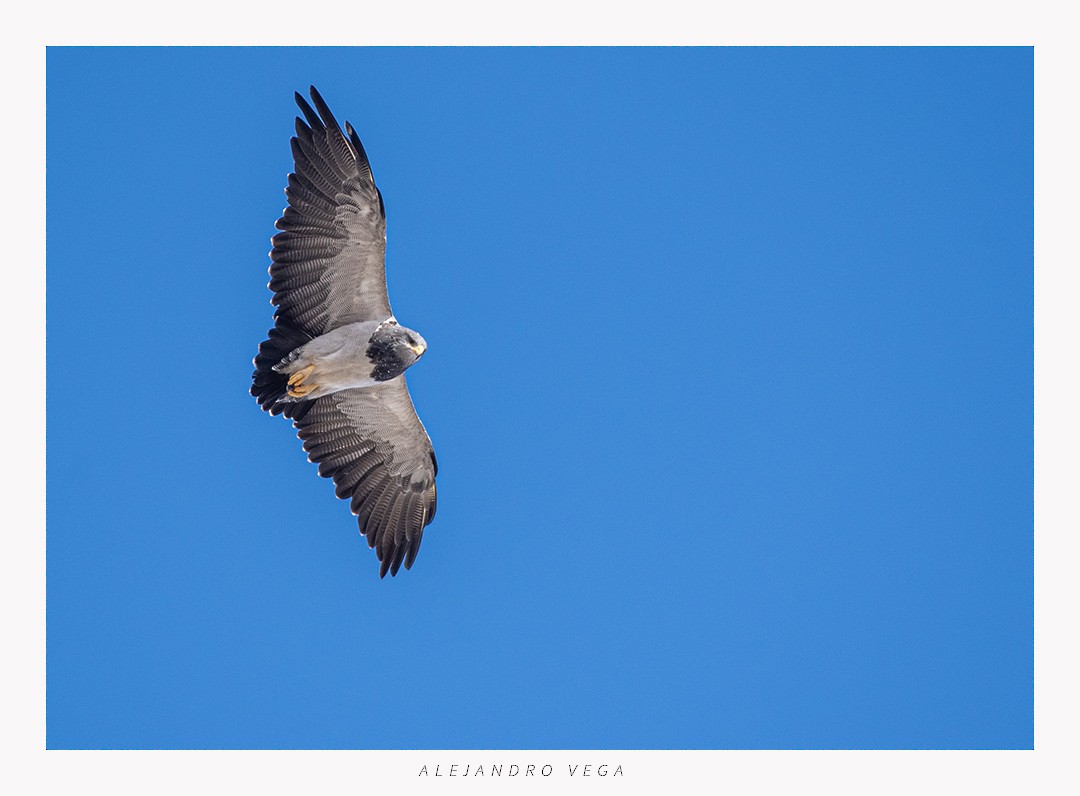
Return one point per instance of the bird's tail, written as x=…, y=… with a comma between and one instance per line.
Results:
x=267, y=385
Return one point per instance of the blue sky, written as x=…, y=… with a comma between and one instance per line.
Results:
x=730, y=380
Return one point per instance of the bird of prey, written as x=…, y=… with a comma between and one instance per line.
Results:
x=334, y=363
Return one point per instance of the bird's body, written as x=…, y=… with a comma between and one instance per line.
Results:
x=353, y=356
x=335, y=360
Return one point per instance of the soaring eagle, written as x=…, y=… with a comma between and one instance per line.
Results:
x=336, y=358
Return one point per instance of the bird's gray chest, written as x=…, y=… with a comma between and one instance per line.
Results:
x=340, y=357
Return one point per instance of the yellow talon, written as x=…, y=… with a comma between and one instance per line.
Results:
x=300, y=375
x=297, y=386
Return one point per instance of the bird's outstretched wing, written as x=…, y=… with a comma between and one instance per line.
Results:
x=329, y=259
x=373, y=445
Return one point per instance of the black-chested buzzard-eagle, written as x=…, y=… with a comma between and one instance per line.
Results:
x=335, y=360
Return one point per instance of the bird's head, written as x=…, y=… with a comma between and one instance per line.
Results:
x=415, y=344
x=393, y=349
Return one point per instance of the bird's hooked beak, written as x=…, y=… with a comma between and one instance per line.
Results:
x=418, y=349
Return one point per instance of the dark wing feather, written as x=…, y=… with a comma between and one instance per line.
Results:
x=329, y=259
x=373, y=445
